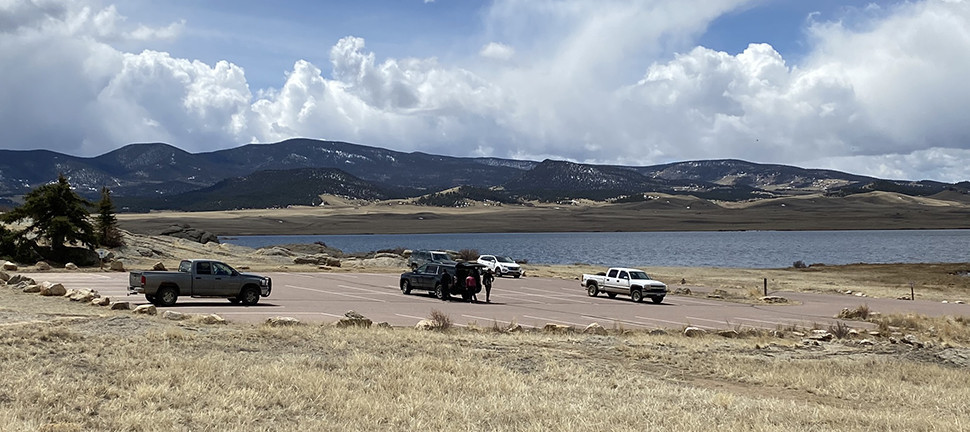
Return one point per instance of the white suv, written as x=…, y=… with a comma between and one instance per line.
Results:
x=500, y=265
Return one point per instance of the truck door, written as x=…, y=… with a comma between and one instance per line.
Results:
x=623, y=283
x=203, y=282
x=224, y=283
x=612, y=279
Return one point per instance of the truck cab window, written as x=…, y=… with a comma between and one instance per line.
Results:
x=203, y=268
x=612, y=274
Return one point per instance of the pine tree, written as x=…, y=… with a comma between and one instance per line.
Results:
x=106, y=223
x=56, y=213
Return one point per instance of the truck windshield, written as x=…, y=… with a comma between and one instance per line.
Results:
x=638, y=275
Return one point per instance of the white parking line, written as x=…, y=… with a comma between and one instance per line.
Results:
x=336, y=293
x=554, y=320
x=367, y=290
x=424, y=318
x=683, y=324
x=621, y=321
x=553, y=297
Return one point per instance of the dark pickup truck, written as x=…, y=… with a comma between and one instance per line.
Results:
x=199, y=278
x=429, y=277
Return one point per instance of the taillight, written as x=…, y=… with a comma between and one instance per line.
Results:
x=143, y=280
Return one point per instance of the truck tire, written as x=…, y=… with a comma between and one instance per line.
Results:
x=166, y=296
x=249, y=295
x=611, y=294
x=405, y=287
x=151, y=299
x=233, y=300
x=657, y=300
x=636, y=295
x=592, y=289
x=439, y=291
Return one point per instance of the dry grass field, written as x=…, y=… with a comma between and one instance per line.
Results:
x=73, y=367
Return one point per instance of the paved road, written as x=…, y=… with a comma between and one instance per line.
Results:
x=531, y=302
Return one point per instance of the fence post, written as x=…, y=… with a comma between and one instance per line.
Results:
x=766, y=287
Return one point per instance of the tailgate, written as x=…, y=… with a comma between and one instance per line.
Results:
x=134, y=279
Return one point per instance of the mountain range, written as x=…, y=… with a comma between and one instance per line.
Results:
x=298, y=171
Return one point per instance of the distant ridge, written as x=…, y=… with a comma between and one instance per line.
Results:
x=158, y=175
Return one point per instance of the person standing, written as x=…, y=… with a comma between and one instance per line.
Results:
x=487, y=279
x=445, y=283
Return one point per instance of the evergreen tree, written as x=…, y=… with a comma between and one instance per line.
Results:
x=106, y=223
x=54, y=212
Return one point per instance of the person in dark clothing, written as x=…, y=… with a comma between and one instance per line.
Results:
x=445, y=283
x=487, y=279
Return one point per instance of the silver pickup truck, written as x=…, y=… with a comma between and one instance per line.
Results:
x=627, y=281
x=199, y=278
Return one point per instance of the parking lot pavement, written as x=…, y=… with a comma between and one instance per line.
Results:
x=530, y=302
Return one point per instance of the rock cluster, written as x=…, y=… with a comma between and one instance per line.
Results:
x=184, y=231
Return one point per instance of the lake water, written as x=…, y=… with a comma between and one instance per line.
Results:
x=754, y=249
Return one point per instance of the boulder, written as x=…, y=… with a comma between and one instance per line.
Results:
x=9, y=266
x=146, y=309
x=70, y=266
x=212, y=319
x=821, y=335
x=386, y=255
x=48, y=289
x=144, y=252
x=595, y=328
x=424, y=324
x=282, y=321
x=117, y=265
x=42, y=266
x=120, y=305
x=173, y=315
x=694, y=332
x=101, y=301
x=159, y=266
x=274, y=251
x=16, y=279
x=774, y=299
x=384, y=325
x=730, y=334
x=912, y=340
x=556, y=328
x=4, y=277
x=84, y=295
x=32, y=288
x=514, y=328
x=353, y=319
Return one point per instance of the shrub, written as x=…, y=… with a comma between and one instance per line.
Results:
x=859, y=313
x=799, y=264
x=468, y=254
x=839, y=330
x=440, y=320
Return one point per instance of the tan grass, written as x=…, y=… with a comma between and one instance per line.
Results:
x=140, y=373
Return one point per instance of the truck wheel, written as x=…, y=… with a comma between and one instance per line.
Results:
x=233, y=300
x=439, y=291
x=166, y=296
x=657, y=300
x=249, y=295
x=611, y=295
x=592, y=290
x=405, y=287
x=636, y=295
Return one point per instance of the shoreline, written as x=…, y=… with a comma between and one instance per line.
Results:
x=700, y=216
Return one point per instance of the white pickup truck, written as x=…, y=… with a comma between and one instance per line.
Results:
x=627, y=281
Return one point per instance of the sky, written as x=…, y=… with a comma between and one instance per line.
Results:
x=878, y=88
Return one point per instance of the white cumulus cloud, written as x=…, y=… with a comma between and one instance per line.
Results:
x=594, y=81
